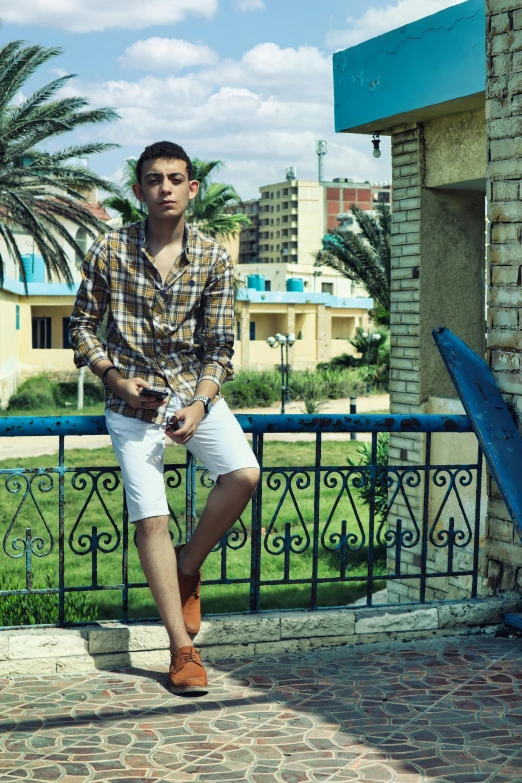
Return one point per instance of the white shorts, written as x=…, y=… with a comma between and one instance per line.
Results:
x=219, y=444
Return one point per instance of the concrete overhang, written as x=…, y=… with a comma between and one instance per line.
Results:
x=427, y=69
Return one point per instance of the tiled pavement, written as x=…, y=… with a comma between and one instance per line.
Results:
x=444, y=711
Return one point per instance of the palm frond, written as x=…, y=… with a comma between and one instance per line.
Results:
x=43, y=192
x=364, y=258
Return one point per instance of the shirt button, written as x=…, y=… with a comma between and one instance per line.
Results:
x=162, y=364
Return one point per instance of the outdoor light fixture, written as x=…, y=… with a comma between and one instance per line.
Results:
x=285, y=341
x=376, y=141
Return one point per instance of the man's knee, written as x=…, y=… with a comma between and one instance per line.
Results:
x=152, y=527
x=242, y=481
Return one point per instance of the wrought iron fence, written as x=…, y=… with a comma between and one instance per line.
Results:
x=309, y=527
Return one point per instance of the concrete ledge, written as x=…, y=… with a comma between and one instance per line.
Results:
x=113, y=645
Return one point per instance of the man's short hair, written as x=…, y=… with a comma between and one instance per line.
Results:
x=163, y=149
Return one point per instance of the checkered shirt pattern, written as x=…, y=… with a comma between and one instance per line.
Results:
x=172, y=335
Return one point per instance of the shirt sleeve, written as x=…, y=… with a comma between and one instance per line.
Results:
x=217, y=328
x=91, y=302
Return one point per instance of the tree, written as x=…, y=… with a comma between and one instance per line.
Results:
x=124, y=201
x=212, y=211
x=364, y=258
x=40, y=189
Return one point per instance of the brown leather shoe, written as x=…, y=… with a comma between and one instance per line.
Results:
x=190, y=600
x=186, y=673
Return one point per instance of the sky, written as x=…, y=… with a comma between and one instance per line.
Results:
x=248, y=82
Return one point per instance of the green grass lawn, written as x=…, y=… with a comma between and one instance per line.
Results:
x=89, y=499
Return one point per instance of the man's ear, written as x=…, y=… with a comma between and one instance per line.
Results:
x=193, y=189
x=138, y=192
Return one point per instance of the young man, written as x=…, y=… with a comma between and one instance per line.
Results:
x=168, y=289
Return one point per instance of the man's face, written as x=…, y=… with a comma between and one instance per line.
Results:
x=165, y=188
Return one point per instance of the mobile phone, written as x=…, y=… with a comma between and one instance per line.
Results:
x=158, y=394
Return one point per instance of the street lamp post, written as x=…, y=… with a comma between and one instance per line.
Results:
x=285, y=341
x=371, y=337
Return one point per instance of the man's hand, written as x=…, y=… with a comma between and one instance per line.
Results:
x=130, y=390
x=190, y=419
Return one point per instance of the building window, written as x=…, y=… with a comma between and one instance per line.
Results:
x=278, y=234
x=41, y=332
x=18, y=316
x=277, y=221
x=285, y=218
x=252, y=330
x=268, y=285
x=285, y=191
x=271, y=221
x=238, y=331
x=271, y=248
x=327, y=288
x=278, y=194
x=65, y=333
x=383, y=197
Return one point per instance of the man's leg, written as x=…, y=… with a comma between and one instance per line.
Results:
x=225, y=504
x=158, y=560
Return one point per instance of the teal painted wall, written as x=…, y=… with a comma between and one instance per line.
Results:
x=436, y=59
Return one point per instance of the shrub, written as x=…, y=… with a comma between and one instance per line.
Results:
x=253, y=389
x=42, y=391
x=37, y=391
x=381, y=490
x=341, y=383
x=37, y=609
x=68, y=392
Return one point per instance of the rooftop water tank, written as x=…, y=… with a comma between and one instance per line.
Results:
x=257, y=282
x=295, y=284
x=34, y=267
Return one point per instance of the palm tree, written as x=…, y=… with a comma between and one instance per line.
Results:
x=364, y=258
x=211, y=211
x=40, y=189
x=124, y=201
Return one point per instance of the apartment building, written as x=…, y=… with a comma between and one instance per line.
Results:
x=294, y=215
x=248, y=251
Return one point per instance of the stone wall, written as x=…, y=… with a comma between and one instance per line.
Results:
x=112, y=645
x=504, y=174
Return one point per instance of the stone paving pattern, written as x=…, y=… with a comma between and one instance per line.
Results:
x=444, y=711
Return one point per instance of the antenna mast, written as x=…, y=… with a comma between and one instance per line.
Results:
x=321, y=148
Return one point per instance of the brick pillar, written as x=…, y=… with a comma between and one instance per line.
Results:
x=408, y=174
x=244, y=329
x=504, y=172
x=437, y=280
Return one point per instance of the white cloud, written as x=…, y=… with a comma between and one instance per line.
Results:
x=259, y=114
x=167, y=54
x=82, y=17
x=378, y=20
x=250, y=5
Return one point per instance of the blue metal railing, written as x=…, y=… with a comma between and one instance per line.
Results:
x=335, y=524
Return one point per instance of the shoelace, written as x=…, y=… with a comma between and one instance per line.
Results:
x=186, y=657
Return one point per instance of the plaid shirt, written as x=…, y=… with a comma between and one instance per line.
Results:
x=171, y=335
